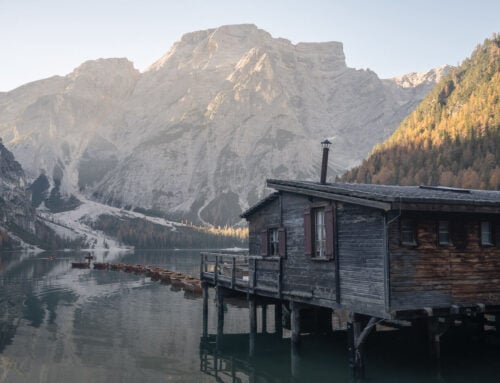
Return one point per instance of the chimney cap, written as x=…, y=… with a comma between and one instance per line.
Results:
x=326, y=144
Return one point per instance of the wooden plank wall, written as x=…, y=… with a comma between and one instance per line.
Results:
x=361, y=251
x=267, y=216
x=430, y=275
x=301, y=273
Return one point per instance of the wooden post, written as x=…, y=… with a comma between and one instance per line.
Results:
x=351, y=348
x=205, y=309
x=216, y=271
x=435, y=330
x=252, y=310
x=220, y=315
x=295, y=362
x=278, y=319
x=202, y=265
x=358, y=330
x=295, y=322
x=233, y=273
x=264, y=318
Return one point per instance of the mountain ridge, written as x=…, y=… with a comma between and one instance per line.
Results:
x=198, y=132
x=453, y=137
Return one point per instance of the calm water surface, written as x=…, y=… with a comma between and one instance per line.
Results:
x=59, y=324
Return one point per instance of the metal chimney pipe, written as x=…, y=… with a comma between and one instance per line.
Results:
x=324, y=163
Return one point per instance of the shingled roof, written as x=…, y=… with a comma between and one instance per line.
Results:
x=388, y=197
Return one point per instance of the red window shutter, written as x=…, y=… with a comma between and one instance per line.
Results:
x=282, y=241
x=330, y=230
x=307, y=233
x=263, y=243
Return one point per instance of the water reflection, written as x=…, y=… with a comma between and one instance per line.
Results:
x=59, y=324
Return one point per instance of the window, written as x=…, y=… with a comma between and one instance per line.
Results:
x=486, y=233
x=444, y=233
x=319, y=233
x=273, y=242
x=408, y=232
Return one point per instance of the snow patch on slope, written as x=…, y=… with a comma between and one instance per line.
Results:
x=74, y=224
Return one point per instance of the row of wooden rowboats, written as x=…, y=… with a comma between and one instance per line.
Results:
x=178, y=280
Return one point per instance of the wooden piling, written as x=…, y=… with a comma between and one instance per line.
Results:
x=205, y=309
x=278, y=319
x=252, y=310
x=220, y=315
x=264, y=318
x=295, y=322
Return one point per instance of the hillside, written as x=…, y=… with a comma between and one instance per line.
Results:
x=196, y=135
x=452, y=138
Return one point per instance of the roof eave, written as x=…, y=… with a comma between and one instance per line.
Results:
x=385, y=206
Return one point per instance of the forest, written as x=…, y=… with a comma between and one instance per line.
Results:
x=147, y=235
x=452, y=138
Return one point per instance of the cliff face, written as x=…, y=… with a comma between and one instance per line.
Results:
x=198, y=133
x=15, y=204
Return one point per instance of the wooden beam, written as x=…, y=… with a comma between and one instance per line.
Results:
x=332, y=196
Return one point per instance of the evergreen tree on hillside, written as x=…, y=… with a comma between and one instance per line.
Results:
x=452, y=138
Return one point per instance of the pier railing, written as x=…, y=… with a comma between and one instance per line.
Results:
x=230, y=269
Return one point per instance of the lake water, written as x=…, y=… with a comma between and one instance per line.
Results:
x=59, y=324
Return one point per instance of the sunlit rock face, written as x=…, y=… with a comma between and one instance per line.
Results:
x=197, y=134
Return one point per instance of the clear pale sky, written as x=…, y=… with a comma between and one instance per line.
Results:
x=42, y=38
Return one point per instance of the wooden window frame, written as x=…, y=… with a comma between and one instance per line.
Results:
x=310, y=231
x=273, y=243
x=402, y=230
x=443, y=224
x=491, y=239
x=318, y=235
x=266, y=243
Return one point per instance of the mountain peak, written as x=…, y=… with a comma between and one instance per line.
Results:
x=414, y=79
x=104, y=67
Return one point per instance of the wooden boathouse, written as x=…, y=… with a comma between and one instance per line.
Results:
x=429, y=256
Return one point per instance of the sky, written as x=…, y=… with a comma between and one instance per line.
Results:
x=42, y=38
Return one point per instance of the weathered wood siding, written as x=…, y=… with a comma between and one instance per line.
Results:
x=432, y=275
x=267, y=216
x=361, y=252
x=300, y=273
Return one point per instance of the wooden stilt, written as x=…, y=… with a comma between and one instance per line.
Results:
x=358, y=329
x=434, y=338
x=436, y=329
x=205, y=309
x=252, y=310
x=220, y=316
x=278, y=319
x=295, y=362
x=264, y=318
x=295, y=322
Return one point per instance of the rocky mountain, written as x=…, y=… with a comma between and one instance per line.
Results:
x=197, y=133
x=15, y=204
x=453, y=137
